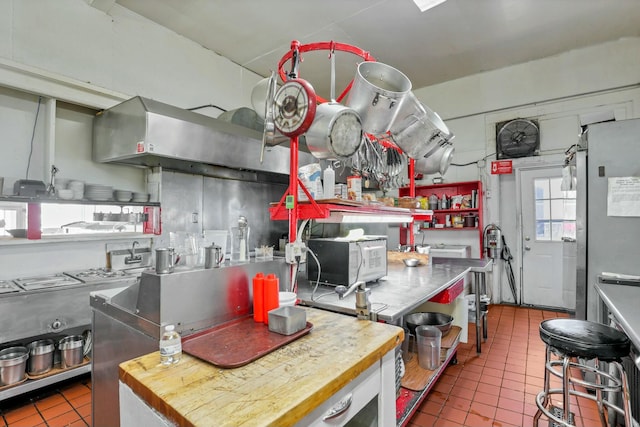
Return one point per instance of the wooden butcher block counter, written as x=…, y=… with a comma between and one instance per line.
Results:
x=278, y=389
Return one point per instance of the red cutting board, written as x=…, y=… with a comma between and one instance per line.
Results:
x=237, y=343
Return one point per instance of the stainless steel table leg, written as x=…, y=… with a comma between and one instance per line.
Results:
x=477, y=278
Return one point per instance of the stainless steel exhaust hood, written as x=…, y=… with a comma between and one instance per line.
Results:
x=145, y=132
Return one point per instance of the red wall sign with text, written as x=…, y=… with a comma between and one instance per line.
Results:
x=501, y=167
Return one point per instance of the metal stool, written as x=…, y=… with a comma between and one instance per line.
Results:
x=572, y=340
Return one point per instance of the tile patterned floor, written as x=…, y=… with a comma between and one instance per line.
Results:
x=496, y=388
x=66, y=404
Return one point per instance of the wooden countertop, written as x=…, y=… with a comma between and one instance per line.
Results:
x=278, y=389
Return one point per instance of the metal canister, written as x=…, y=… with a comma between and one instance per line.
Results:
x=213, y=256
x=354, y=188
x=433, y=202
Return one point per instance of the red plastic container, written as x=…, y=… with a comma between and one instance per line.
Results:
x=271, y=295
x=258, y=298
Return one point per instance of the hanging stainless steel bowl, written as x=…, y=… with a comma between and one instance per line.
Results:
x=336, y=132
x=377, y=93
x=438, y=160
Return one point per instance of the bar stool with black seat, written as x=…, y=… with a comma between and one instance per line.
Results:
x=574, y=342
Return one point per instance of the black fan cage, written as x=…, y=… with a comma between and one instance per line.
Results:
x=517, y=138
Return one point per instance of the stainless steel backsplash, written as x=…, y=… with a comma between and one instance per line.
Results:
x=193, y=203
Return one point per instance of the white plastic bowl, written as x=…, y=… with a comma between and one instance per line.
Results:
x=287, y=298
x=65, y=194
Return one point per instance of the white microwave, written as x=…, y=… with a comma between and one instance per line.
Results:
x=344, y=262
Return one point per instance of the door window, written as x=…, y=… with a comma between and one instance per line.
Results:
x=555, y=213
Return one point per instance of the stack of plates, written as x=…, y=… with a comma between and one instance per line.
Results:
x=98, y=192
x=140, y=197
x=78, y=189
x=122, y=195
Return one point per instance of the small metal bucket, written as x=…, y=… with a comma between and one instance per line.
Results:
x=71, y=350
x=40, y=357
x=13, y=361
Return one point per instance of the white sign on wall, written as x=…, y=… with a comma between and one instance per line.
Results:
x=623, y=196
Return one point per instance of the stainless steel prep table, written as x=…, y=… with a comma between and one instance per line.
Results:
x=400, y=291
x=404, y=289
x=479, y=267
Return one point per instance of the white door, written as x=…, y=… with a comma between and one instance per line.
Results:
x=548, y=218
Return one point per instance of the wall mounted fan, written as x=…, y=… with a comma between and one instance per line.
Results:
x=517, y=138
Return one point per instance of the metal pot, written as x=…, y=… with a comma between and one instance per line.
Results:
x=71, y=350
x=437, y=160
x=336, y=132
x=40, y=357
x=13, y=362
x=440, y=320
x=417, y=129
x=469, y=220
x=377, y=93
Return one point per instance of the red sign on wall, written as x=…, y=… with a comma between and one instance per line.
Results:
x=501, y=167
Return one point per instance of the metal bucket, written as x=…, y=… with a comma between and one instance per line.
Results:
x=377, y=94
x=40, y=357
x=13, y=363
x=71, y=350
x=336, y=132
x=417, y=130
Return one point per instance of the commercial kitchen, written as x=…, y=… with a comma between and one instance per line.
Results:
x=339, y=233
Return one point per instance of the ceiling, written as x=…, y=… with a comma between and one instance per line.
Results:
x=455, y=39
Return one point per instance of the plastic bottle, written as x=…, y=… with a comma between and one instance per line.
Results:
x=271, y=295
x=329, y=182
x=170, y=346
x=258, y=298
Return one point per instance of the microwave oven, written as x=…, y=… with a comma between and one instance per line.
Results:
x=344, y=262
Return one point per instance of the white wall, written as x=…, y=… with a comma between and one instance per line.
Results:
x=558, y=92
x=120, y=51
x=67, y=50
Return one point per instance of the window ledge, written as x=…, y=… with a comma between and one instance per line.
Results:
x=12, y=241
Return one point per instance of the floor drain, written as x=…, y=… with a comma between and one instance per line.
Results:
x=558, y=412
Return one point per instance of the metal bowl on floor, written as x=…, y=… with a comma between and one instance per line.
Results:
x=440, y=320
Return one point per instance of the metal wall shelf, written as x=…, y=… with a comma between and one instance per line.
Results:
x=54, y=200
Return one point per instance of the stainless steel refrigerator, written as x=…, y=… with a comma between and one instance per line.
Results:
x=607, y=212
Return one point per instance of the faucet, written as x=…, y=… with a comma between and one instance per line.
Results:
x=363, y=305
x=133, y=259
x=343, y=291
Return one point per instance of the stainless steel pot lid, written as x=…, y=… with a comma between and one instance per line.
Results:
x=8, y=287
x=45, y=282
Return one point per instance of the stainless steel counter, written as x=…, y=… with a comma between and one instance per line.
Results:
x=402, y=290
x=622, y=302
x=406, y=288
x=476, y=265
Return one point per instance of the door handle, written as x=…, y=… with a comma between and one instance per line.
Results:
x=527, y=238
x=527, y=248
x=339, y=408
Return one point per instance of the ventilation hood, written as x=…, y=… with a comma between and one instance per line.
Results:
x=145, y=132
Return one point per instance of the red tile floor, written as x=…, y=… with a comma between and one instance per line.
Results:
x=496, y=388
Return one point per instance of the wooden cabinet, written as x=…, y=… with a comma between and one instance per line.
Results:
x=464, y=199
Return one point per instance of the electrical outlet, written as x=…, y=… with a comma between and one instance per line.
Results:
x=295, y=252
